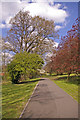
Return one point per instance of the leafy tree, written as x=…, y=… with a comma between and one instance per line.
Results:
x=67, y=58
x=25, y=64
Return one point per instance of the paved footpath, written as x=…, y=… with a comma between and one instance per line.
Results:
x=50, y=101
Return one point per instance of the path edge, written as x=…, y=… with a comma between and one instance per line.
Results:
x=28, y=100
x=66, y=93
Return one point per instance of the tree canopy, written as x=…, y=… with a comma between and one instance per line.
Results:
x=30, y=34
x=26, y=64
x=67, y=56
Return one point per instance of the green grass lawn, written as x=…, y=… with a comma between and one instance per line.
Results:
x=15, y=96
x=69, y=86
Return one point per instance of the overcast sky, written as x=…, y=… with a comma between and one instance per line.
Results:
x=64, y=14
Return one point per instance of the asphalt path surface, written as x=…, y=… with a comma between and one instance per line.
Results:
x=50, y=101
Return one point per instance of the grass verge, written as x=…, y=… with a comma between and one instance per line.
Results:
x=15, y=96
x=70, y=87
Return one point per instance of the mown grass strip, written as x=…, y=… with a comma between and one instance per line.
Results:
x=15, y=96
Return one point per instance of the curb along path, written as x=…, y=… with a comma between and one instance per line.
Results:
x=50, y=101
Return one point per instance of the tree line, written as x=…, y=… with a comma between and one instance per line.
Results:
x=34, y=36
x=66, y=59
x=27, y=36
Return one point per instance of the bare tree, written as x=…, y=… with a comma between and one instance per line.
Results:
x=31, y=34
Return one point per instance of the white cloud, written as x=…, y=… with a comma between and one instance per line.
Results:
x=8, y=19
x=7, y=55
x=49, y=55
x=47, y=11
x=2, y=26
x=39, y=7
x=9, y=9
x=46, y=40
x=56, y=44
x=64, y=7
x=9, y=45
x=5, y=25
x=57, y=6
x=57, y=27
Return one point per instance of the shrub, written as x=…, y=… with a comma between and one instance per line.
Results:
x=25, y=64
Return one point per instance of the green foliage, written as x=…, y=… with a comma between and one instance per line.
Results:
x=24, y=64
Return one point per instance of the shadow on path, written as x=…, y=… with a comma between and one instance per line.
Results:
x=31, y=81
